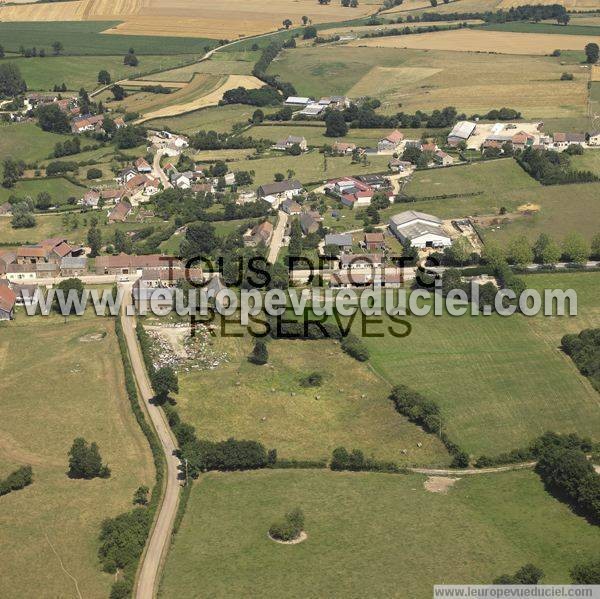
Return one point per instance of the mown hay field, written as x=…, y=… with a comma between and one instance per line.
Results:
x=362, y=29
x=268, y=403
x=369, y=535
x=477, y=40
x=422, y=6
x=226, y=19
x=202, y=92
x=78, y=391
x=568, y=4
x=410, y=80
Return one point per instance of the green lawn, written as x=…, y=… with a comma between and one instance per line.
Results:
x=81, y=393
x=500, y=381
x=60, y=189
x=369, y=535
x=552, y=28
x=267, y=403
x=309, y=168
x=86, y=38
x=26, y=141
x=315, y=134
x=82, y=71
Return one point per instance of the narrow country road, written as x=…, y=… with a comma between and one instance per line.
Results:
x=277, y=240
x=160, y=536
x=458, y=472
x=157, y=169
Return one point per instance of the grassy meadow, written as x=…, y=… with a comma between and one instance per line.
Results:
x=80, y=393
x=268, y=403
x=410, y=79
x=369, y=535
x=59, y=188
x=82, y=71
x=500, y=381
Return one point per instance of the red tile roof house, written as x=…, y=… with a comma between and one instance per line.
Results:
x=391, y=142
x=261, y=233
x=374, y=241
x=8, y=299
x=48, y=251
x=142, y=166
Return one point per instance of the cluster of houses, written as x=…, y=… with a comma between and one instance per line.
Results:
x=358, y=192
x=313, y=108
x=169, y=144
x=49, y=258
x=483, y=136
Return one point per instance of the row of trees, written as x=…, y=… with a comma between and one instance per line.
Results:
x=584, y=350
x=552, y=168
x=545, y=250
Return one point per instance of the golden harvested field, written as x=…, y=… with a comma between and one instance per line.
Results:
x=390, y=81
x=213, y=66
x=469, y=40
x=595, y=73
x=568, y=4
x=457, y=6
x=225, y=19
x=184, y=102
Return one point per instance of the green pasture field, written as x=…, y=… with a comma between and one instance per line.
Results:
x=82, y=38
x=268, y=403
x=79, y=391
x=218, y=118
x=309, y=168
x=549, y=28
x=500, y=381
x=26, y=141
x=369, y=535
x=409, y=80
x=82, y=71
x=60, y=189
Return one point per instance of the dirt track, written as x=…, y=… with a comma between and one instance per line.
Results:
x=160, y=536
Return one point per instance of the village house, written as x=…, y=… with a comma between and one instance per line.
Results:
x=289, y=142
x=399, y=166
x=8, y=299
x=564, y=140
x=7, y=258
x=259, y=234
x=142, y=166
x=429, y=146
x=360, y=261
x=73, y=266
x=120, y=212
x=350, y=191
x=125, y=264
x=343, y=148
x=593, y=138
x=87, y=123
x=126, y=175
x=20, y=272
x=291, y=207
x=419, y=229
x=310, y=222
x=50, y=251
x=374, y=241
x=181, y=180
x=391, y=142
x=91, y=199
x=522, y=140
x=343, y=241
x=275, y=193
x=442, y=159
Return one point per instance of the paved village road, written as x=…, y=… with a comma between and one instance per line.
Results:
x=160, y=536
x=277, y=240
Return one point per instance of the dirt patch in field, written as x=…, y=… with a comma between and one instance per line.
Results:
x=301, y=538
x=529, y=208
x=439, y=484
x=92, y=338
x=472, y=40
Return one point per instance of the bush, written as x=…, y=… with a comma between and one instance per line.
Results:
x=355, y=461
x=290, y=528
x=354, y=347
x=460, y=460
x=94, y=173
x=19, y=479
x=260, y=353
x=314, y=379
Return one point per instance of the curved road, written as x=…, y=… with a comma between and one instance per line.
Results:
x=160, y=535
